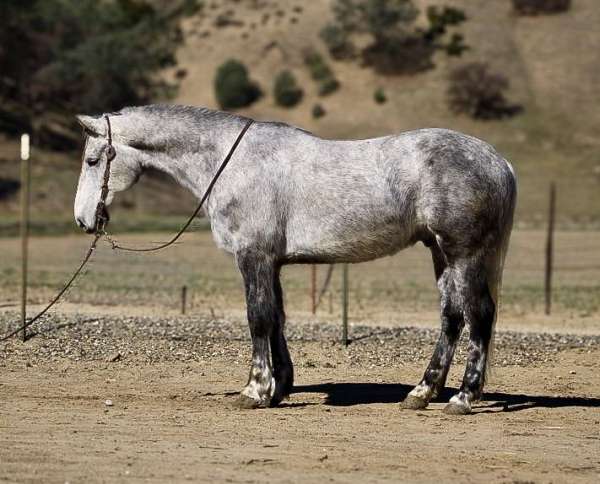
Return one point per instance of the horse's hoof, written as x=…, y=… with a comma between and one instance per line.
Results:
x=245, y=402
x=457, y=409
x=277, y=398
x=413, y=403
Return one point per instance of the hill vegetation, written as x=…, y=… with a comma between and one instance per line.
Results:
x=545, y=64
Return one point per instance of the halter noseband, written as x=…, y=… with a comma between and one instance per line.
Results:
x=110, y=153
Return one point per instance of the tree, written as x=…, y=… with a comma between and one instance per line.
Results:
x=480, y=93
x=286, y=90
x=233, y=87
x=58, y=57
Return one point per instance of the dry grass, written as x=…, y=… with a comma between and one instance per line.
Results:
x=396, y=290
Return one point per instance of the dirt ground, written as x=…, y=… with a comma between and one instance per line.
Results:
x=172, y=380
x=171, y=415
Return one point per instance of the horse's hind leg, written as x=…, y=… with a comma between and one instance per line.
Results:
x=479, y=310
x=283, y=370
x=452, y=320
x=259, y=271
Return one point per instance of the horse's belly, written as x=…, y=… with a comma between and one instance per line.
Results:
x=347, y=241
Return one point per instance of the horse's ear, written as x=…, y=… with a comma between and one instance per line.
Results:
x=92, y=124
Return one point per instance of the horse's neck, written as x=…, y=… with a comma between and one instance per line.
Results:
x=192, y=161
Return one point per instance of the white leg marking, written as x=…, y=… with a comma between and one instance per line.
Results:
x=462, y=400
x=261, y=386
x=422, y=391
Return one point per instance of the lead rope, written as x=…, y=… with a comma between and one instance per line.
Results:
x=115, y=244
x=101, y=221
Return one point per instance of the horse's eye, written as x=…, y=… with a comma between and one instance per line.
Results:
x=92, y=161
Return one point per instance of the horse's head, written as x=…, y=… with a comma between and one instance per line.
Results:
x=125, y=169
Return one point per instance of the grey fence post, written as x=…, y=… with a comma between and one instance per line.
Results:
x=25, y=185
x=345, y=305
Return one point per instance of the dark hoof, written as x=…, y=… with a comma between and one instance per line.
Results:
x=246, y=402
x=277, y=399
x=457, y=409
x=413, y=403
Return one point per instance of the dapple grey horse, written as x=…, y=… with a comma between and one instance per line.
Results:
x=289, y=197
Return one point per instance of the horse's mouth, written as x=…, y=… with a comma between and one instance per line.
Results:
x=101, y=222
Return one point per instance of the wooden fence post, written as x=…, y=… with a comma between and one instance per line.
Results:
x=25, y=185
x=550, y=249
x=183, y=299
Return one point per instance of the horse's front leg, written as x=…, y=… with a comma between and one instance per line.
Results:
x=259, y=270
x=283, y=369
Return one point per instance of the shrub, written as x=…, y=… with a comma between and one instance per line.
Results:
x=479, y=93
x=540, y=7
x=400, y=55
x=440, y=19
x=456, y=45
x=379, y=96
x=286, y=90
x=328, y=86
x=337, y=41
x=320, y=72
x=398, y=45
x=8, y=188
x=233, y=87
x=318, y=111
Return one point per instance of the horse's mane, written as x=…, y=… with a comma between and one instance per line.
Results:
x=192, y=113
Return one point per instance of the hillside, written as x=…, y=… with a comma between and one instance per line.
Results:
x=552, y=63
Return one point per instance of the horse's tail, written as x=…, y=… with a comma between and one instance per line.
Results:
x=495, y=260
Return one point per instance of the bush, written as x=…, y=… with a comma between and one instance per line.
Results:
x=540, y=7
x=398, y=45
x=337, y=41
x=318, y=111
x=456, y=46
x=440, y=19
x=328, y=86
x=379, y=96
x=479, y=93
x=286, y=90
x=233, y=87
x=400, y=55
x=8, y=188
x=320, y=72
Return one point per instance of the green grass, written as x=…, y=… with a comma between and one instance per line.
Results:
x=400, y=288
x=10, y=226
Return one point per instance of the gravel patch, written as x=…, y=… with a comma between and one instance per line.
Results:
x=149, y=339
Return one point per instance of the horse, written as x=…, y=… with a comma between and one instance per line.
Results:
x=290, y=197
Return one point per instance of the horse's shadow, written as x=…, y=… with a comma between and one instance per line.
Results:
x=348, y=394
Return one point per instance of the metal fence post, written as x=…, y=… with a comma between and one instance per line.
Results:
x=345, y=305
x=549, y=250
x=313, y=288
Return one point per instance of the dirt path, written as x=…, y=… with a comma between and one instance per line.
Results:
x=172, y=417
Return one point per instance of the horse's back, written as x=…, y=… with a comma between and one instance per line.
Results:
x=331, y=201
x=384, y=193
